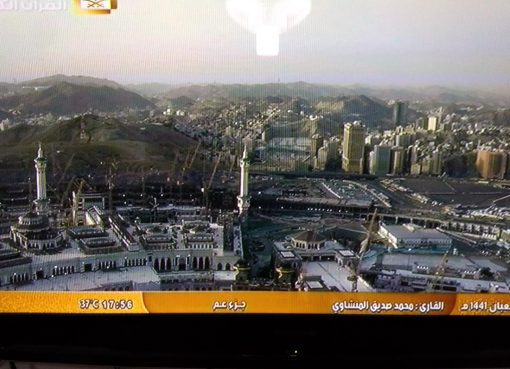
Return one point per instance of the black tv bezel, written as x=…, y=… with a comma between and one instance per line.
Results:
x=256, y=341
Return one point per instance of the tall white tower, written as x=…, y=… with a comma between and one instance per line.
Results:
x=243, y=200
x=41, y=203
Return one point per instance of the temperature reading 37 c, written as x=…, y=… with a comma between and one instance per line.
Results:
x=107, y=304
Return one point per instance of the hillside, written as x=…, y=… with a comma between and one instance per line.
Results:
x=316, y=91
x=151, y=145
x=75, y=80
x=6, y=87
x=4, y=115
x=348, y=108
x=65, y=98
x=149, y=89
x=258, y=91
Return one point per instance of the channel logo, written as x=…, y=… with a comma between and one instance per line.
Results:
x=94, y=7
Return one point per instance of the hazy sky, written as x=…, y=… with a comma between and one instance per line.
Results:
x=448, y=42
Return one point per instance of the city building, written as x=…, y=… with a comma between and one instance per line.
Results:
x=492, y=164
x=412, y=236
x=380, y=160
x=426, y=165
x=413, y=155
x=398, y=155
x=403, y=139
x=307, y=240
x=318, y=263
x=400, y=113
x=333, y=146
x=186, y=253
x=326, y=153
x=419, y=272
x=416, y=169
x=321, y=158
x=433, y=123
x=353, y=148
x=317, y=142
x=436, y=167
x=267, y=135
x=33, y=232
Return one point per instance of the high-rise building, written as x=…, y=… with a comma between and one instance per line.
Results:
x=421, y=123
x=317, y=142
x=380, y=160
x=426, y=165
x=398, y=155
x=333, y=147
x=416, y=169
x=403, y=140
x=436, y=166
x=400, y=113
x=373, y=140
x=433, y=123
x=41, y=203
x=353, y=148
x=321, y=158
x=413, y=154
x=243, y=200
x=267, y=135
x=492, y=164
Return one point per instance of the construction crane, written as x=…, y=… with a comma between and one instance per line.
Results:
x=143, y=178
x=76, y=202
x=66, y=169
x=192, y=161
x=154, y=209
x=183, y=169
x=171, y=174
x=30, y=192
x=207, y=187
x=232, y=164
x=216, y=165
x=365, y=244
x=440, y=271
x=110, y=181
x=65, y=194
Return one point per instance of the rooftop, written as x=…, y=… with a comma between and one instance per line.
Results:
x=333, y=275
x=94, y=280
x=413, y=231
x=308, y=236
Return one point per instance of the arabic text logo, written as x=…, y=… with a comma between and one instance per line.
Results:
x=94, y=7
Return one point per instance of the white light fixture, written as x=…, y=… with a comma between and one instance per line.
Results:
x=268, y=19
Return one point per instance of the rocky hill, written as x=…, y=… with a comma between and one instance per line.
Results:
x=75, y=80
x=102, y=140
x=66, y=98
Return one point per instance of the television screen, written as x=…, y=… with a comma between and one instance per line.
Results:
x=255, y=157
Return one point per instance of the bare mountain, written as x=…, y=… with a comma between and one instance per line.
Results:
x=150, y=89
x=314, y=92
x=258, y=91
x=91, y=140
x=65, y=98
x=75, y=80
x=349, y=108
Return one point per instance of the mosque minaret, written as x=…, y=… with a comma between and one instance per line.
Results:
x=243, y=200
x=41, y=203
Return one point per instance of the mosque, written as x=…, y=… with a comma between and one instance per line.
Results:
x=33, y=230
x=118, y=252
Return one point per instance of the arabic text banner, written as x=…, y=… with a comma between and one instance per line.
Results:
x=254, y=303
